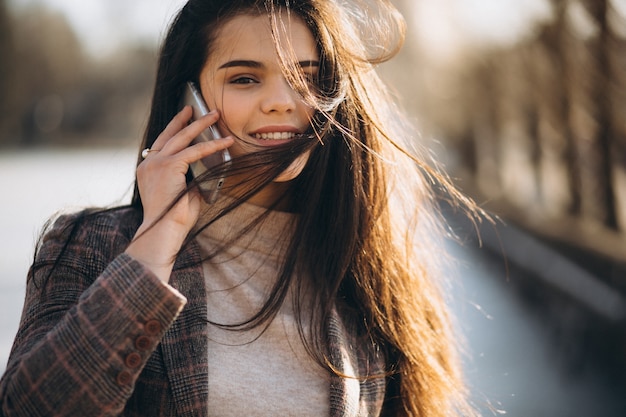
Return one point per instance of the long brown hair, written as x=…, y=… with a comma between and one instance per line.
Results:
x=368, y=231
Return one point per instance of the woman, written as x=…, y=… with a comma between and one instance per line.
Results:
x=307, y=288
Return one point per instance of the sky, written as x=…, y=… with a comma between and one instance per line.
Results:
x=446, y=24
x=105, y=24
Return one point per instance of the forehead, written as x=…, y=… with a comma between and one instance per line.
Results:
x=250, y=36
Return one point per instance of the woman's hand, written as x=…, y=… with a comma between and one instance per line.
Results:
x=161, y=177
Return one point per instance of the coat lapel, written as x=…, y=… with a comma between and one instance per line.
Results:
x=362, y=391
x=184, y=345
x=344, y=392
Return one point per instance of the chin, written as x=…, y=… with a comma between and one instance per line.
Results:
x=294, y=170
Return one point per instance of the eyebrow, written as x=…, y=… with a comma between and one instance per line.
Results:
x=257, y=64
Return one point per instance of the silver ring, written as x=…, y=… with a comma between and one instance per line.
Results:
x=145, y=152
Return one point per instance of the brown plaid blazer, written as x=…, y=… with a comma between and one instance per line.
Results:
x=102, y=336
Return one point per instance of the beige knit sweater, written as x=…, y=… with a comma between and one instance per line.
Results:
x=256, y=373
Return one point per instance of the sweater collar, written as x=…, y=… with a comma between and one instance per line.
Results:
x=249, y=227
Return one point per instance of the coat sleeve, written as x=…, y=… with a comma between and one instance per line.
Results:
x=90, y=321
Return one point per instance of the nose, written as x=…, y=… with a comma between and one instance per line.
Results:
x=279, y=97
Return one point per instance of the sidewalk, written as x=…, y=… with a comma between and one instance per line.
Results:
x=541, y=308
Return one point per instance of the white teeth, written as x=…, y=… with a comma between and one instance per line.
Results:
x=275, y=135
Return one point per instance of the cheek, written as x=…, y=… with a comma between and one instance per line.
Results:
x=209, y=90
x=309, y=111
x=307, y=114
x=235, y=114
x=238, y=149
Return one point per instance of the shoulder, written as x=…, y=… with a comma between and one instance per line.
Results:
x=89, y=232
x=90, y=223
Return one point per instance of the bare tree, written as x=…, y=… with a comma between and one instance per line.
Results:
x=47, y=62
x=555, y=102
x=601, y=98
x=6, y=52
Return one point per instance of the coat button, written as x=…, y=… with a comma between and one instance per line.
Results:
x=133, y=360
x=152, y=328
x=143, y=343
x=124, y=378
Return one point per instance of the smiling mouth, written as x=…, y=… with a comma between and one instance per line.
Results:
x=275, y=136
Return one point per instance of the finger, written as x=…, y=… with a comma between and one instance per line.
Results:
x=201, y=150
x=185, y=136
x=180, y=120
x=178, y=163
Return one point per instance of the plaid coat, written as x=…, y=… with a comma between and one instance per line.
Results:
x=104, y=337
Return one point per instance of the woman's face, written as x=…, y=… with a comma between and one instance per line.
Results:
x=242, y=78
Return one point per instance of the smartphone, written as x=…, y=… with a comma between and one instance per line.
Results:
x=209, y=189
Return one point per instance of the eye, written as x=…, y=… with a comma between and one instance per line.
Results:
x=243, y=80
x=310, y=77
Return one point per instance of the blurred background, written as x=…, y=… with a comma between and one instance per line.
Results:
x=524, y=101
